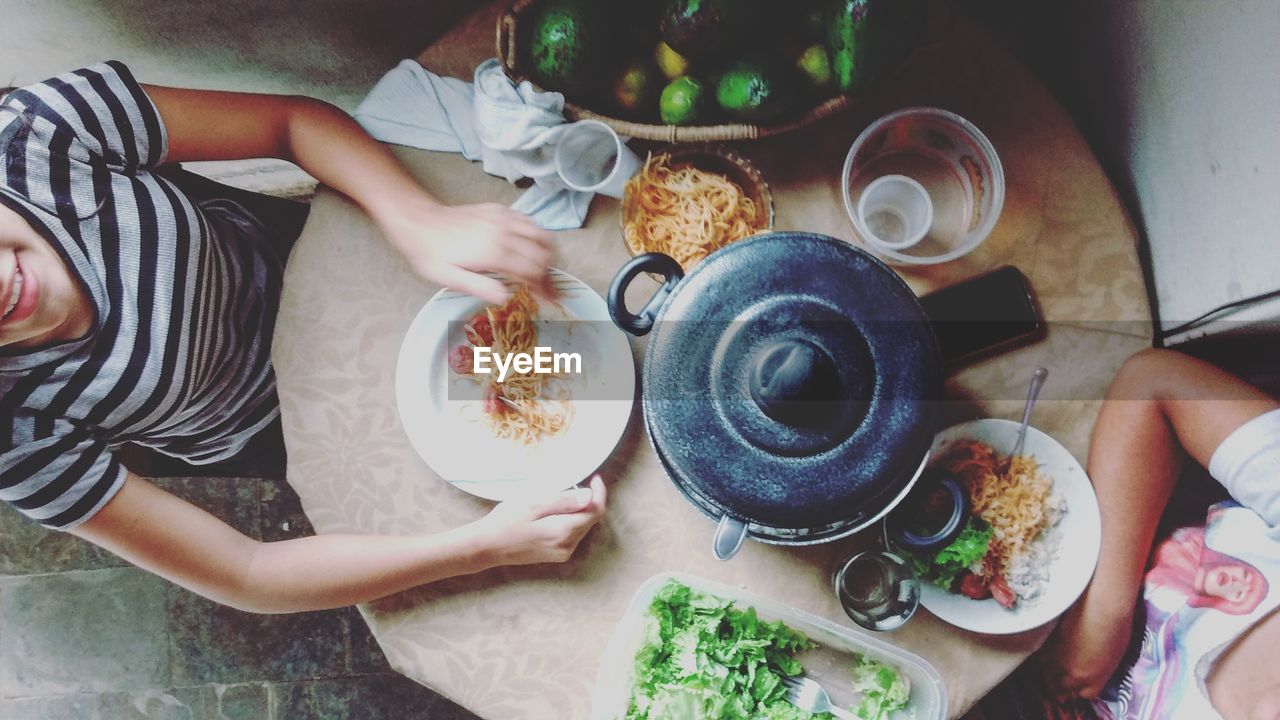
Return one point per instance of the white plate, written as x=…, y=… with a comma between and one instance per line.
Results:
x=450, y=434
x=1080, y=530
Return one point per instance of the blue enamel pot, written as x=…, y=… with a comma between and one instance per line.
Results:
x=789, y=385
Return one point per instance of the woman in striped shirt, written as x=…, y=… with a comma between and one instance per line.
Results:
x=133, y=313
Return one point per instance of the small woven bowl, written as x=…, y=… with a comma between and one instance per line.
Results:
x=714, y=159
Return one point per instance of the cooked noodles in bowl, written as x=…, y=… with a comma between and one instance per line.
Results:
x=688, y=205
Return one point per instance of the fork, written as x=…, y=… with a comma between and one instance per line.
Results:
x=806, y=694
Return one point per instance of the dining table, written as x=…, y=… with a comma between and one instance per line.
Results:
x=527, y=642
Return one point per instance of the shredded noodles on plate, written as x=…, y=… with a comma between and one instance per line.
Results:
x=1011, y=495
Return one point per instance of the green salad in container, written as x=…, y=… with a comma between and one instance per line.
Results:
x=703, y=658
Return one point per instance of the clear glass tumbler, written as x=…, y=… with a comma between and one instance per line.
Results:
x=877, y=590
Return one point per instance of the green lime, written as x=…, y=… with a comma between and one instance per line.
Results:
x=752, y=91
x=816, y=66
x=671, y=63
x=682, y=101
x=636, y=86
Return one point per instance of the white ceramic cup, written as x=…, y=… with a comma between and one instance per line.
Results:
x=591, y=157
x=897, y=210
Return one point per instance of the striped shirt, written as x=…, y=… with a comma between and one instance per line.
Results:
x=184, y=299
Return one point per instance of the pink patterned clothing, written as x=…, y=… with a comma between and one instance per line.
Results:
x=1208, y=585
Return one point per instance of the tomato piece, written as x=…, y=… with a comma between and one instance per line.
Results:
x=972, y=586
x=493, y=404
x=461, y=360
x=1001, y=591
x=480, y=334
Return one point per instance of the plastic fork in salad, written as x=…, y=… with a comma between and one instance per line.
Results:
x=806, y=694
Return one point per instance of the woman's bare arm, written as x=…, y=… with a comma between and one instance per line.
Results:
x=181, y=542
x=1159, y=402
x=447, y=245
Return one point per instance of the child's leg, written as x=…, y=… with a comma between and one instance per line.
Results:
x=1159, y=402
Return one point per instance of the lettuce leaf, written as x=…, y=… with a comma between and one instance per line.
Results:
x=943, y=566
x=883, y=689
x=703, y=658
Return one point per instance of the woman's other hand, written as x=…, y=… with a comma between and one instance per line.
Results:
x=541, y=531
x=1087, y=646
x=455, y=246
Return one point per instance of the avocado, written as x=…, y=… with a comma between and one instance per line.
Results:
x=868, y=38
x=753, y=91
x=848, y=42
x=567, y=46
x=704, y=30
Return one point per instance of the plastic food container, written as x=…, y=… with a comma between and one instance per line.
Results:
x=950, y=159
x=831, y=663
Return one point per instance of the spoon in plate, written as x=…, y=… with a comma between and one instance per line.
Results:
x=1037, y=380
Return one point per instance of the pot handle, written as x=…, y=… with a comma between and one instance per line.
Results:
x=641, y=323
x=729, y=536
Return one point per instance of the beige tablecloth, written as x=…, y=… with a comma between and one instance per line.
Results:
x=526, y=642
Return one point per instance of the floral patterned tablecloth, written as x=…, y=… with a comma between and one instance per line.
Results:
x=526, y=642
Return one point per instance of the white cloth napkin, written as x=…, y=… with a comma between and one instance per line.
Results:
x=512, y=130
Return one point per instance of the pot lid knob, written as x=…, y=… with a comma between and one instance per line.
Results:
x=795, y=382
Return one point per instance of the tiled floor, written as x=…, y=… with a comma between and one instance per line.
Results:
x=83, y=636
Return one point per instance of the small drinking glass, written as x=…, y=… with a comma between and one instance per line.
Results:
x=877, y=590
x=897, y=211
x=592, y=157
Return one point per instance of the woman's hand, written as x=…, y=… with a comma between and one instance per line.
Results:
x=544, y=531
x=1088, y=645
x=209, y=557
x=453, y=246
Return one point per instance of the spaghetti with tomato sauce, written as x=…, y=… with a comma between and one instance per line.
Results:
x=525, y=406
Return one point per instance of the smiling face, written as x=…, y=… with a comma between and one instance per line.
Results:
x=40, y=300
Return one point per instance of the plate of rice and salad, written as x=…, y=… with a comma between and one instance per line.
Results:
x=1032, y=538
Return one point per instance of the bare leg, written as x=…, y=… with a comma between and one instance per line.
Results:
x=1159, y=401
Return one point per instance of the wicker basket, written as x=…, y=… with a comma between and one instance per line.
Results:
x=509, y=52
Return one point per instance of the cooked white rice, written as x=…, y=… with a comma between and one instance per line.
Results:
x=1028, y=572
